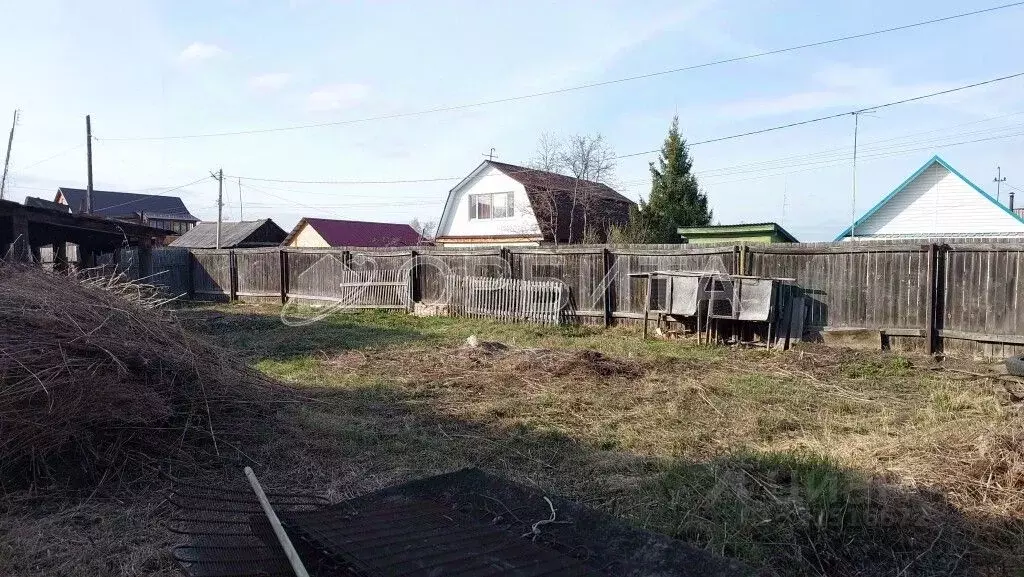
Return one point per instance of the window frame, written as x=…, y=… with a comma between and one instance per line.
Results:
x=509, y=208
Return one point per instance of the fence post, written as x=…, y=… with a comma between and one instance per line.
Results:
x=283, y=256
x=232, y=277
x=145, y=257
x=506, y=255
x=414, y=281
x=929, y=317
x=606, y=257
x=190, y=273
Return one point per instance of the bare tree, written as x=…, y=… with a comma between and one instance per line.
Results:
x=588, y=159
x=549, y=153
x=425, y=229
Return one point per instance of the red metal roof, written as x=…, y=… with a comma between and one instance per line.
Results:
x=361, y=233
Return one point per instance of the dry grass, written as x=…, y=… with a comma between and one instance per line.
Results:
x=99, y=389
x=814, y=462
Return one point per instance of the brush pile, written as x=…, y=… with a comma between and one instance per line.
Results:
x=98, y=385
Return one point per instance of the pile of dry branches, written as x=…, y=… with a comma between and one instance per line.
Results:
x=96, y=384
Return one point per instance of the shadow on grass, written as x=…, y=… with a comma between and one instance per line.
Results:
x=785, y=513
x=789, y=512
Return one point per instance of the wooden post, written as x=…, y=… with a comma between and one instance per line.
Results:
x=606, y=256
x=284, y=276
x=647, y=304
x=232, y=276
x=190, y=274
x=88, y=165
x=414, y=280
x=737, y=262
x=60, y=257
x=86, y=256
x=145, y=252
x=930, y=296
x=506, y=255
x=19, y=238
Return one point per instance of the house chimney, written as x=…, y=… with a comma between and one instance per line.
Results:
x=1011, y=201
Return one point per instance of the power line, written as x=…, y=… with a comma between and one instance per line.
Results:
x=844, y=155
x=846, y=149
x=47, y=159
x=455, y=107
x=161, y=193
x=763, y=174
x=840, y=114
x=697, y=143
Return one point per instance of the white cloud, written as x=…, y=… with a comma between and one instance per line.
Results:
x=271, y=81
x=201, y=51
x=338, y=96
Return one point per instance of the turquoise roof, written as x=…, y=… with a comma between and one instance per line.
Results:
x=934, y=160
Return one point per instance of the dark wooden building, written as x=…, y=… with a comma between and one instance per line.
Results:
x=25, y=229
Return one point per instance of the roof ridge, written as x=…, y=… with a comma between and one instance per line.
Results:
x=935, y=159
x=308, y=218
x=541, y=170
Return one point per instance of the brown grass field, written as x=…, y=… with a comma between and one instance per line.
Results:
x=817, y=461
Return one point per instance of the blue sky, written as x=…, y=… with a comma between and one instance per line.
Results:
x=187, y=67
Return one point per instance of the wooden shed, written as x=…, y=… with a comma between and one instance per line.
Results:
x=760, y=232
x=243, y=234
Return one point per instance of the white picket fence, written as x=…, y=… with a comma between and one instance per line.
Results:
x=508, y=300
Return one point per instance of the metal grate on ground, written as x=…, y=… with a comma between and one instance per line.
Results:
x=228, y=535
x=419, y=538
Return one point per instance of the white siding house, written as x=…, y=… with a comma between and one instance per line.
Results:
x=464, y=223
x=501, y=204
x=936, y=201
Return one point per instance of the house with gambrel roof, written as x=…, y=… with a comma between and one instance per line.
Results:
x=936, y=201
x=502, y=204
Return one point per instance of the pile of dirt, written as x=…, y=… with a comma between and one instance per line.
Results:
x=96, y=385
x=582, y=363
x=494, y=359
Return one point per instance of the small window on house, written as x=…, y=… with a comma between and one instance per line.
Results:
x=493, y=205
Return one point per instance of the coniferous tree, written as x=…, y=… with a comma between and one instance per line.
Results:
x=676, y=199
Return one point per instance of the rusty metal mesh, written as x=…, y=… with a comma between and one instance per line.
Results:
x=419, y=538
x=228, y=535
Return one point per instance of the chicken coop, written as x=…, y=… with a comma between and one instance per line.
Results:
x=723, y=308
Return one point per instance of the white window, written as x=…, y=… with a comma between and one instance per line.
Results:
x=492, y=205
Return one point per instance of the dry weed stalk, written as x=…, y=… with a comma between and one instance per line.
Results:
x=96, y=382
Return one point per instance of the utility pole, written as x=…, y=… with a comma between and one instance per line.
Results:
x=219, y=175
x=88, y=162
x=999, y=180
x=241, y=215
x=7, y=159
x=853, y=201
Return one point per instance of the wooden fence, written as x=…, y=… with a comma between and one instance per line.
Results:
x=952, y=296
